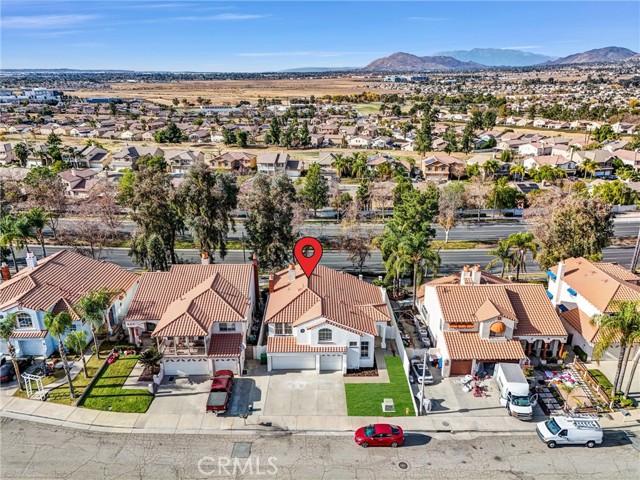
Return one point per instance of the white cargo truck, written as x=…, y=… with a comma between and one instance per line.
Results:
x=514, y=391
x=570, y=430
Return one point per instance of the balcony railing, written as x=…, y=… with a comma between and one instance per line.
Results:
x=168, y=348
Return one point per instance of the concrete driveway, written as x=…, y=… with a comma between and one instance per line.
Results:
x=305, y=393
x=181, y=395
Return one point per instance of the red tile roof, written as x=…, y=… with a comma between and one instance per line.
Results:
x=225, y=345
x=454, y=279
x=601, y=284
x=469, y=346
x=341, y=298
x=157, y=290
x=528, y=303
x=64, y=275
x=581, y=322
x=288, y=344
x=29, y=334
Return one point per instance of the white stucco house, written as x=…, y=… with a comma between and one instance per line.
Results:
x=329, y=321
x=54, y=284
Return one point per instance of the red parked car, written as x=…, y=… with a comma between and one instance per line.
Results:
x=220, y=393
x=379, y=435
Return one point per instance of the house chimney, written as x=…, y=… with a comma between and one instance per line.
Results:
x=465, y=276
x=204, y=258
x=557, y=291
x=5, y=272
x=73, y=172
x=32, y=261
x=360, y=277
x=476, y=275
x=271, y=284
x=291, y=275
x=254, y=261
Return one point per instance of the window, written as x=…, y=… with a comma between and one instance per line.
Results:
x=324, y=335
x=73, y=327
x=353, y=344
x=24, y=320
x=284, y=329
x=364, y=350
x=227, y=327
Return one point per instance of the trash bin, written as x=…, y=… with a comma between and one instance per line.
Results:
x=263, y=359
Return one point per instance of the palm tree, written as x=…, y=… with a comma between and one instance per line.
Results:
x=415, y=250
x=9, y=236
x=7, y=326
x=502, y=254
x=634, y=338
x=23, y=231
x=91, y=307
x=518, y=170
x=523, y=242
x=21, y=151
x=37, y=219
x=622, y=328
x=341, y=163
x=490, y=167
x=57, y=325
x=359, y=164
x=77, y=342
x=150, y=358
x=588, y=166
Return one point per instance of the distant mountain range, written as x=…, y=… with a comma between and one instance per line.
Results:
x=498, y=57
x=599, y=55
x=406, y=62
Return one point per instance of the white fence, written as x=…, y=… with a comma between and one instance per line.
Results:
x=406, y=363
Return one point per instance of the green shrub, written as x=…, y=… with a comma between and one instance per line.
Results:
x=580, y=353
x=602, y=379
x=624, y=402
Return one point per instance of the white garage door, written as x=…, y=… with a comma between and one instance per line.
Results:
x=294, y=362
x=331, y=362
x=182, y=367
x=226, y=364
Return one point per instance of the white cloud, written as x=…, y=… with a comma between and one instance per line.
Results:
x=37, y=22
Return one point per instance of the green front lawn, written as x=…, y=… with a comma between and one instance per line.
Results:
x=365, y=399
x=107, y=393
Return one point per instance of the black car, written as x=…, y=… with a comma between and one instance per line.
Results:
x=7, y=372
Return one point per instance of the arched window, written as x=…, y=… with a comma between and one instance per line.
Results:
x=324, y=335
x=497, y=329
x=24, y=320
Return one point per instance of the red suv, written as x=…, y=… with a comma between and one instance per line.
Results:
x=379, y=435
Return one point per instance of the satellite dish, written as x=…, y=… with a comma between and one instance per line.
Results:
x=243, y=347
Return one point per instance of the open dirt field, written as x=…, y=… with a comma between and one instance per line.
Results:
x=222, y=92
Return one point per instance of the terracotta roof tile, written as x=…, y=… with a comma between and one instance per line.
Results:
x=469, y=346
x=29, y=334
x=527, y=303
x=63, y=275
x=342, y=298
x=225, y=345
x=454, y=279
x=288, y=344
x=581, y=322
x=602, y=285
x=157, y=290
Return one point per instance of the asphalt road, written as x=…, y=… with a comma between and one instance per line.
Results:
x=470, y=231
x=30, y=450
x=452, y=260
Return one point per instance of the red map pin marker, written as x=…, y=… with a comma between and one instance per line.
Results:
x=308, y=264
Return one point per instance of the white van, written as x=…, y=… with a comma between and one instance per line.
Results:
x=575, y=430
x=514, y=391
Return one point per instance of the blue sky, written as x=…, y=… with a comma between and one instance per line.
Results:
x=203, y=35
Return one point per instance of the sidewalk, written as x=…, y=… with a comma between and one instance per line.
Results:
x=102, y=421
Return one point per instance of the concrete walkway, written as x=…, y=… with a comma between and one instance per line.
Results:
x=94, y=420
x=75, y=369
x=381, y=364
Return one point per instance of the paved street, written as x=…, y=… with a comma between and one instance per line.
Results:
x=452, y=260
x=625, y=226
x=31, y=450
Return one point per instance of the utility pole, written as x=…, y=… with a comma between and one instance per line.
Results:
x=636, y=254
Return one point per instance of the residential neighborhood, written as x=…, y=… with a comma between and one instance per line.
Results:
x=319, y=240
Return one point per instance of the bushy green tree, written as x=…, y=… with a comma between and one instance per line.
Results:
x=315, y=192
